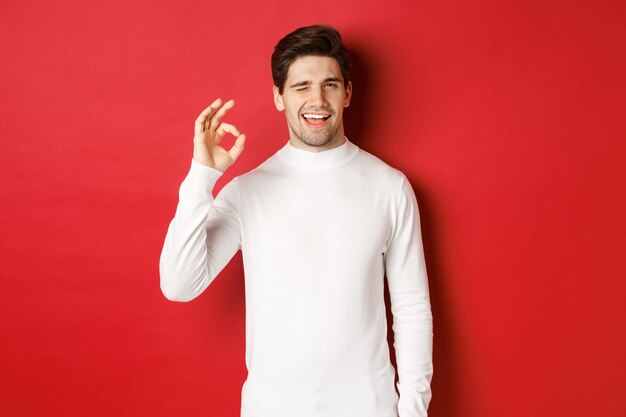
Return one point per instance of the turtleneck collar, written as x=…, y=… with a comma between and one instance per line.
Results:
x=329, y=158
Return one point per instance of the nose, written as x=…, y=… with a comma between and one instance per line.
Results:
x=318, y=96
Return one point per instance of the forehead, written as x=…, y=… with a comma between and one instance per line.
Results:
x=312, y=67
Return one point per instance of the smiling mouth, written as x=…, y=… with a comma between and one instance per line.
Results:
x=315, y=116
x=315, y=120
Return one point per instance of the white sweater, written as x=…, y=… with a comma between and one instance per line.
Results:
x=317, y=233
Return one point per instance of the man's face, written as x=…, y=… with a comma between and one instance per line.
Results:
x=313, y=100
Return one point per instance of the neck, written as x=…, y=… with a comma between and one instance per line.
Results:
x=306, y=160
x=337, y=141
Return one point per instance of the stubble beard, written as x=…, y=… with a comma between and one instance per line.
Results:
x=320, y=139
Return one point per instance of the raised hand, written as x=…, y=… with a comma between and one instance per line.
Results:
x=208, y=133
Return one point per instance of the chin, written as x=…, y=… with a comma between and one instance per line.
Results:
x=316, y=138
x=315, y=141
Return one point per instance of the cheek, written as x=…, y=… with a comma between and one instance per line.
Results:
x=294, y=109
x=293, y=112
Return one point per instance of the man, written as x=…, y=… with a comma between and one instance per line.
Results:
x=319, y=224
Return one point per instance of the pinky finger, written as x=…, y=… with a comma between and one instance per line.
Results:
x=201, y=122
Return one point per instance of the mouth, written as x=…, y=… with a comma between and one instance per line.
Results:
x=315, y=119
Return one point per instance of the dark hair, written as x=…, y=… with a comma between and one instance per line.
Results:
x=317, y=40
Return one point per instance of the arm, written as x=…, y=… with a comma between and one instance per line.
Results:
x=203, y=236
x=205, y=232
x=410, y=306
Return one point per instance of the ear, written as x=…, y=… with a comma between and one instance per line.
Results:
x=346, y=101
x=278, y=100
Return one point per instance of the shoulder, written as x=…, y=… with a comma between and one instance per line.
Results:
x=389, y=181
x=268, y=169
x=257, y=174
x=383, y=172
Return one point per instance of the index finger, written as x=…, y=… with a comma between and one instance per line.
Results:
x=227, y=128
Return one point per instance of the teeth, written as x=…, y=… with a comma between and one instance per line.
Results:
x=315, y=116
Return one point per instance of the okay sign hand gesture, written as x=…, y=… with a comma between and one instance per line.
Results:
x=208, y=133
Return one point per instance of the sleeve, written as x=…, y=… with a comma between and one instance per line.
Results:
x=202, y=237
x=410, y=305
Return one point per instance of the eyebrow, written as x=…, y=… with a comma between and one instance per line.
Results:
x=303, y=83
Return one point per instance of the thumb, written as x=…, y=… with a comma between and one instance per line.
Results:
x=237, y=148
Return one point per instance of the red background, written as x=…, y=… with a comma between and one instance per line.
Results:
x=507, y=117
